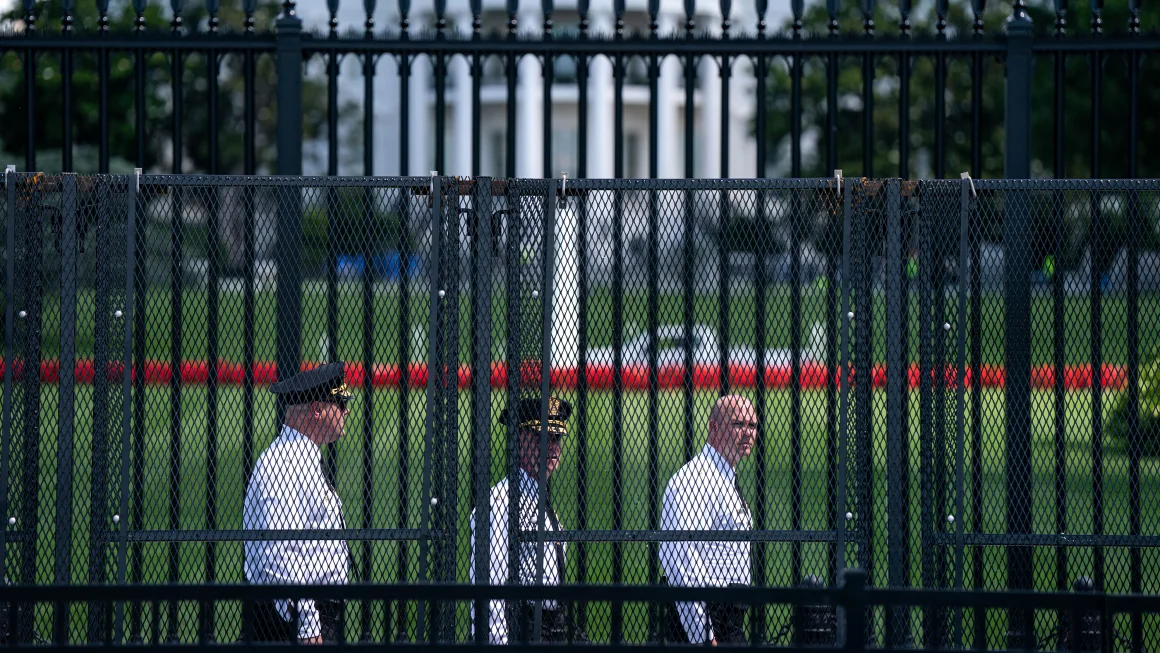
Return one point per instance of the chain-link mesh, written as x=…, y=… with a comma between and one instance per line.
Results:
x=949, y=382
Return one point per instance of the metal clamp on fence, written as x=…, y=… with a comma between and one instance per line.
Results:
x=967, y=176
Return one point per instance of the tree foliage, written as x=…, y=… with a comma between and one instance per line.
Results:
x=158, y=96
x=885, y=146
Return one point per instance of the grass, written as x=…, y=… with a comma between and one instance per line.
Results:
x=388, y=330
x=396, y=491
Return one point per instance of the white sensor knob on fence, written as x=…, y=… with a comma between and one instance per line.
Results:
x=117, y=314
x=434, y=501
x=946, y=326
x=849, y=516
x=850, y=315
x=11, y=521
x=116, y=519
x=535, y=293
x=441, y=293
x=22, y=314
x=951, y=519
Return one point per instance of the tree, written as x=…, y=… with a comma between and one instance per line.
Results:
x=159, y=98
x=1113, y=129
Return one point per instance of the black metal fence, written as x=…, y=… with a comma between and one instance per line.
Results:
x=823, y=618
x=633, y=90
x=953, y=382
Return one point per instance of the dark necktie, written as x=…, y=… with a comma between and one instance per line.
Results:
x=557, y=544
x=740, y=494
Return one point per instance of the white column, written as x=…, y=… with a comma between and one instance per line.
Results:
x=419, y=104
x=600, y=90
x=461, y=137
x=530, y=106
x=668, y=130
x=709, y=154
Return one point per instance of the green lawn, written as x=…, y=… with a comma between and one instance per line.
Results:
x=634, y=508
x=388, y=330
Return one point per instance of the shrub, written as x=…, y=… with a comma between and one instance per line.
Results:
x=1117, y=422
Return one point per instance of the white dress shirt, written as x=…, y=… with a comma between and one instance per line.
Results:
x=288, y=492
x=702, y=496
x=529, y=520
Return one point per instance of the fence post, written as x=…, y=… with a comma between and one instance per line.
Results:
x=852, y=628
x=9, y=361
x=481, y=313
x=898, y=621
x=1018, y=308
x=288, y=29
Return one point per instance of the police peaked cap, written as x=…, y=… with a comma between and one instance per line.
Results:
x=528, y=415
x=322, y=383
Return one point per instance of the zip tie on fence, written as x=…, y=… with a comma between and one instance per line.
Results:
x=967, y=176
x=137, y=175
x=838, y=177
x=563, y=201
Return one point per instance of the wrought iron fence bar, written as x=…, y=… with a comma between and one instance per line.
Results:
x=418, y=185
x=843, y=514
x=212, y=340
x=1095, y=278
x=368, y=312
x=960, y=400
x=102, y=335
x=926, y=366
x=121, y=520
x=687, y=287
x=440, y=114
x=618, y=252
x=1059, y=355
x=760, y=516
x=66, y=414
x=547, y=286
x=863, y=325
x=9, y=359
x=582, y=185
x=582, y=404
x=653, y=408
x=30, y=76
x=482, y=283
x=136, y=517
x=645, y=535
x=176, y=341
x=515, y=300
x=103, y=111
x=476, y=93
x=446, y=592
x=66, y=88
x=771, y=45
x=896, y=620
x=427, y=499
x=976, y=320
x=1024, y=541
x=511, y=62
x=1017, y=307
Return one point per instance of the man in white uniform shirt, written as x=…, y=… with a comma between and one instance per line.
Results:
x=505, y=617
x=704, y=496
x=290, y=491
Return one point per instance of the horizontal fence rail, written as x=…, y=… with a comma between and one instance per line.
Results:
x=835, y=617
x=950, y=383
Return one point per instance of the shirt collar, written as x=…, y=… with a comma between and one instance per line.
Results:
x=292, y=435
x=528, y=483
x=723, y=467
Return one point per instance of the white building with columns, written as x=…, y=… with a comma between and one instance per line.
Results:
x=601, y=135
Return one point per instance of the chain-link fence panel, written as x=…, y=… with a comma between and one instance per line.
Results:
x=760, y=382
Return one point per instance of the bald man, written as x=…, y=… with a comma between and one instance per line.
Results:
x=704, y=496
